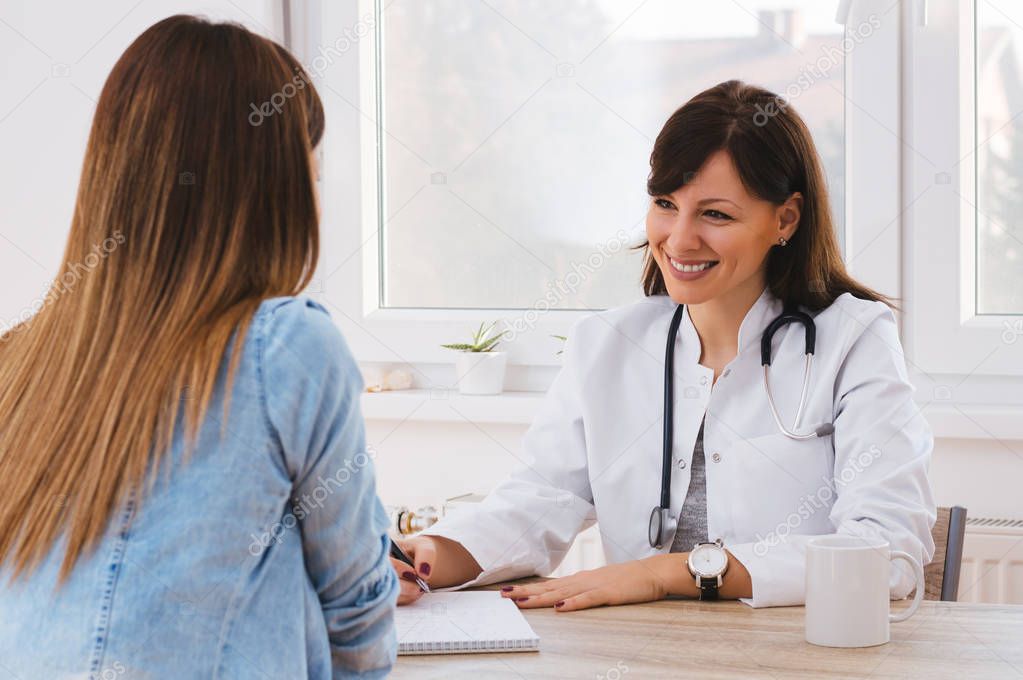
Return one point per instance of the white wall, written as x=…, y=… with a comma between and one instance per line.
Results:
x=982, y=475
x=54, y=59
x=421, y=463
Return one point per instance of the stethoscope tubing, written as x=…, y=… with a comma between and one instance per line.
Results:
x=788, y=315
x=669, y=406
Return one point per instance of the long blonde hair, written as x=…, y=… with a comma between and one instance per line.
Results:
x=196, y=202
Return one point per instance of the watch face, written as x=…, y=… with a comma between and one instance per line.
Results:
x=708, y=560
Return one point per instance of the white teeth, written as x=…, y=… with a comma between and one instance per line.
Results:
x=690, y=267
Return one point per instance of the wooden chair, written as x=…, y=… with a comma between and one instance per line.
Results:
x=941, y=575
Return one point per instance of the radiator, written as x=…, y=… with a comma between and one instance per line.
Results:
x=992, y=561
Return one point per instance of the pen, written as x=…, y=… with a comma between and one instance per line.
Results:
x=399, y=554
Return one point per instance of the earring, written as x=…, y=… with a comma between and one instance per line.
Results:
x=782, y=241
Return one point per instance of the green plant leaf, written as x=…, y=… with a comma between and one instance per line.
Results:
x=461, y=347
x=490, y=344
x=482, y=340
x=478, y=336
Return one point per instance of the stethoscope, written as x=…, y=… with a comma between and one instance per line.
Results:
x=662, y=523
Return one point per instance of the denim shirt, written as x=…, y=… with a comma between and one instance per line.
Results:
x=264, y=556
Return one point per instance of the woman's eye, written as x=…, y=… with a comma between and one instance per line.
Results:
x=716, y=215
x=663, y=203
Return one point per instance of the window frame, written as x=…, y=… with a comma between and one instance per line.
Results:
x=413, y=335
x=880, y=250
x=947, y=44
x=971, y=382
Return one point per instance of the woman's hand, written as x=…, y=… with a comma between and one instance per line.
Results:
x=410, y=590
x=439, y=561
x=637, y=581
x=652, y=578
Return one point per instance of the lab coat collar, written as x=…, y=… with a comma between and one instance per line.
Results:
x=766, y=308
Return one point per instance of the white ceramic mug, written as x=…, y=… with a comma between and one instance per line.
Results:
x=847, y=590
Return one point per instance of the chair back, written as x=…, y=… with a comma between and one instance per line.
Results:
x=941, y=575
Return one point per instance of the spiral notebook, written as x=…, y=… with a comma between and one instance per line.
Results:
x=463, y=622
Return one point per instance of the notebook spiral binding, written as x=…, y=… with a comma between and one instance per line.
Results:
x=462, y=646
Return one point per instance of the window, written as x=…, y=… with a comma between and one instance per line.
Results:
x=999, y=158
x=964, y=276
x=516, y=135
x=504, y=152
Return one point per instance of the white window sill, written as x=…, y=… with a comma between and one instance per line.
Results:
x=519, y=408
x=449, y=406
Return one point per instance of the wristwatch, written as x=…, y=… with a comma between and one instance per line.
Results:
x=708, y=562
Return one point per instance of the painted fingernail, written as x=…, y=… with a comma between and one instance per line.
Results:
x=408, y=576
x=521, y=599
x=507, y=589
x=559, y=604
x=424, y=569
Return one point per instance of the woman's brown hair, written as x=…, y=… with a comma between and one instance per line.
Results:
x=191, y=210
x=775, y=157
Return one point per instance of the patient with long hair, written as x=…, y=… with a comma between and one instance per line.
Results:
x=185, y=486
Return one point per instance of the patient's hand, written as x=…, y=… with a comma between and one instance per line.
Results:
x=439, y=561
x=410, y=590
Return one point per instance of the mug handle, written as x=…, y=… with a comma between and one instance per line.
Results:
x=919, y=572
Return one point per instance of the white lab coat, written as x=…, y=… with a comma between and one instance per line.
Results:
x=594, y=451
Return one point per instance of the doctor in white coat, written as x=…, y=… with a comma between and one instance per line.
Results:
x=739, y=222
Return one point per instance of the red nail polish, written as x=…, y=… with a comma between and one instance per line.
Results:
x=559, y=604
x=408, y=576
x=424, y=569
x=507, y=589
x=521, y=599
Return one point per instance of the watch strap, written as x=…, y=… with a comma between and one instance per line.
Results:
x=708, y=587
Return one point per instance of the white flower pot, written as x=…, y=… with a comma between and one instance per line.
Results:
x=480, y=372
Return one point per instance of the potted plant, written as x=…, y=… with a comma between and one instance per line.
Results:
x=563, y=339
x=479, y=368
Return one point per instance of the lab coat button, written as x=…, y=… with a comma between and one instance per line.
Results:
x=703, y=380
x=716, y=457
x=681, y=465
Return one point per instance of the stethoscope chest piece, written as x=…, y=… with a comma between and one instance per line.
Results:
x=662, y=527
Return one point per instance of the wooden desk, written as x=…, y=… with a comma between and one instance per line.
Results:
x=691, y=639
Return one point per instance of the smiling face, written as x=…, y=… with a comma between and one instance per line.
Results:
x=711, y=237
